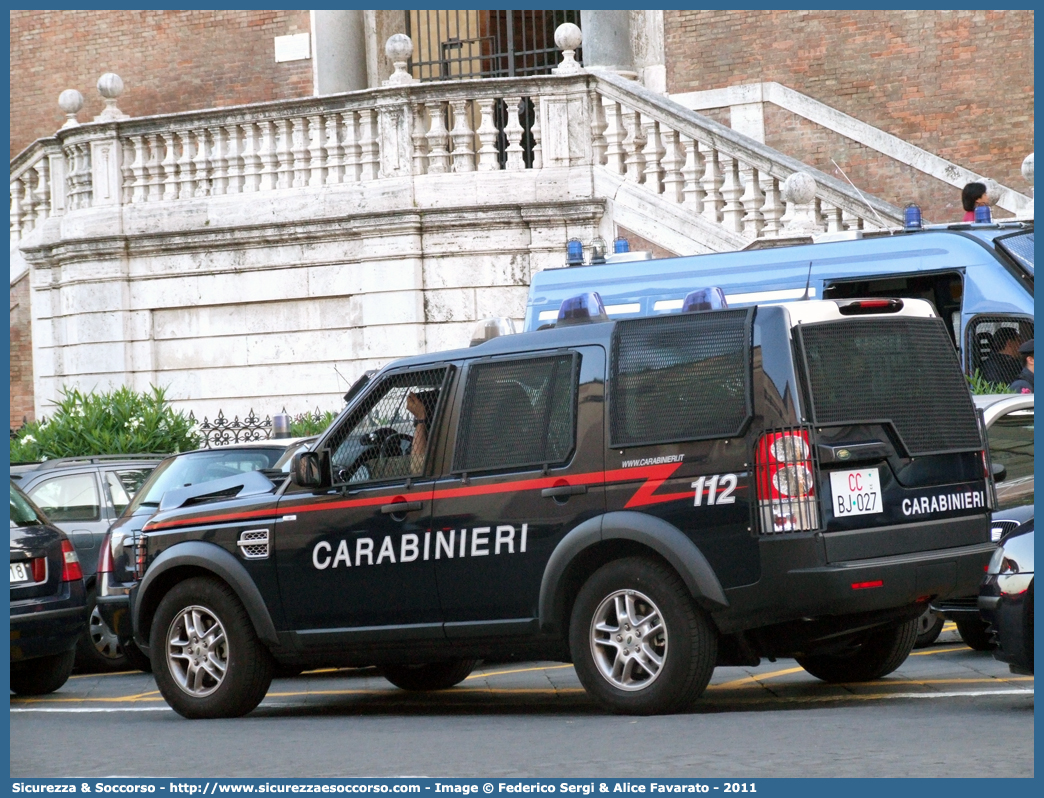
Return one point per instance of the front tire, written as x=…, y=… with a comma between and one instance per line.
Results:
x=206, y=656
x=42, y=675
x=975, y=633
x=877, y=653
x=429, y=676
x=640, y=644
x=929, y=627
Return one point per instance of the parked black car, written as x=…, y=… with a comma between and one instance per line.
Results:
x=82, y=496
x=48, y=600
x=1006, y=599
x=1009, y=428
x=116, y=563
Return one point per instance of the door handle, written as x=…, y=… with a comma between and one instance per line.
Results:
x=401, y=508
x=564, y=490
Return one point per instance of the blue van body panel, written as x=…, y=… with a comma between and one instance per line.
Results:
x=780, y=275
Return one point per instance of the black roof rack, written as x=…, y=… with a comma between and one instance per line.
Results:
x=45, y=465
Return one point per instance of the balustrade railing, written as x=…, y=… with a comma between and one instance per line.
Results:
x=410, y=131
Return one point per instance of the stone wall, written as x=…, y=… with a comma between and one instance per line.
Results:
x=21, y=353
x=956, y=83
x=170, y=61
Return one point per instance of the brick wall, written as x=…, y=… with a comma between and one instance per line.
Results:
x=169, y=61
x=21, y=353
x=956, y=83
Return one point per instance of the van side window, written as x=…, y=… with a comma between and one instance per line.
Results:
x=993, y=342
x=389, y=436
x=680, y=378
x=518, y=413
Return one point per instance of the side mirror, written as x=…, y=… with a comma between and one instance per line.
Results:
x=306, y=470
x=999, y=471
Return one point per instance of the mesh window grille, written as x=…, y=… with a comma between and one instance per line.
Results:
x=993, y=343
x=680, y=378
x=381, y=441
x=1020, y=247
x=517, y=414
x=902, y=370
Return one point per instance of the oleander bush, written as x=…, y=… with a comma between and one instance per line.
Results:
x=980, y=385
x=119, y=421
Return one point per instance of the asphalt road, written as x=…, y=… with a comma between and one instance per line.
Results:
x=949, y=711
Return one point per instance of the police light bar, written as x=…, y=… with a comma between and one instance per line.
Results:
x=704, y=299
x=488, y=329
x=857, y=307
x=582, y=309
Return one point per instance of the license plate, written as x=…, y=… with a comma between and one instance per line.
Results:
x=19, y=573
x=855, y=492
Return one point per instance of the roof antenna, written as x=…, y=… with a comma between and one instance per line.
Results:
x=339, y=374
x=808, y=280
x=860, y=193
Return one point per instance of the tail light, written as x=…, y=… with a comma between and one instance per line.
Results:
x=139, y=557
x=39, y=569
x=105, y=555
x=786, y=482
x=71, y=571
x=858, y=307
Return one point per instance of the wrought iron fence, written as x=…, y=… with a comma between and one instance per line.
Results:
x=223, y=432
x=454, y=45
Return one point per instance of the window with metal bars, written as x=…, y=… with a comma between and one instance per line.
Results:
x=518, y=413
x=993, y=342
x=456, y=45
x=388, y=437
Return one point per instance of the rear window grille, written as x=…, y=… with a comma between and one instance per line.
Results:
x=518, y=413
x=899, y=370
x=682, y=377
x=1020, y=247
x=993, y=342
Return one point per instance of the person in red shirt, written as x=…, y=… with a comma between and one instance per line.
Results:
x=973, y=195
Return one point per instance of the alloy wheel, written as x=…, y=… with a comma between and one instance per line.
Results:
x=103, y=638
x=628, y=640
x=197, y=651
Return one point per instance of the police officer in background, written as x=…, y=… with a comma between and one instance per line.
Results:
x=1024, y=382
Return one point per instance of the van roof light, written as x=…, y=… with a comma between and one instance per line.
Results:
x=493, y=327
x=621, y=244
x=597, y=250
x=857, y=307
x=574, y=252
x=582, y=309
x=712, y=298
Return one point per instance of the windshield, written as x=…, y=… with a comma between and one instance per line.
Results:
x=197, y=467
x=1020, y=247
x=22, y=511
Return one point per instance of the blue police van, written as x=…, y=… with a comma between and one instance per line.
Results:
x=979, y=278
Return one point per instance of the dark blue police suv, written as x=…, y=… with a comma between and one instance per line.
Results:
x=646, y=498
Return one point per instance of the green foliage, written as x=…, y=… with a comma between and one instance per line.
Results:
x=121, y=421
x=980, y=385
x=311, y=423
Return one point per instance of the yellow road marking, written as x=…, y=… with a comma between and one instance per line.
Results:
x=747, y=680
x=520, y=670
x=940, y=651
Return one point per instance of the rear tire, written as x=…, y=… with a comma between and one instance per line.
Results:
x=640, y=644
x=99, y=650
x=42, y=675
x=879, y=652
x=929, y=627
x=429, y=676
x=974, y=632
x=206, y=656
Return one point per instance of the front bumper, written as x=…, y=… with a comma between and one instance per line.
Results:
x=43, y=627
x=1006, y=604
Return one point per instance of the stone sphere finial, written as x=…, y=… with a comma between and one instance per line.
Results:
x=568, y=38
x=70, y=101
x=1027, y=168
x=799, y=188
x=399, y=48
x=110, y=87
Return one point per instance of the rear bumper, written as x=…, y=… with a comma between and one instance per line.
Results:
x=44, y=628
x=115, y=610
x=1005, y=603
x=957, y=608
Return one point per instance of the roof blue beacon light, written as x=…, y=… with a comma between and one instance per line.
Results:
x=912, y=217
x=621, y=245
x=574, y=252
x=704, y=299
x=582, y=309
x=982, y=214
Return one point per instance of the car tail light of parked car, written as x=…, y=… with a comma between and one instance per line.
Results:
x=105, y=555
x=786, y=482
x=71, y=571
